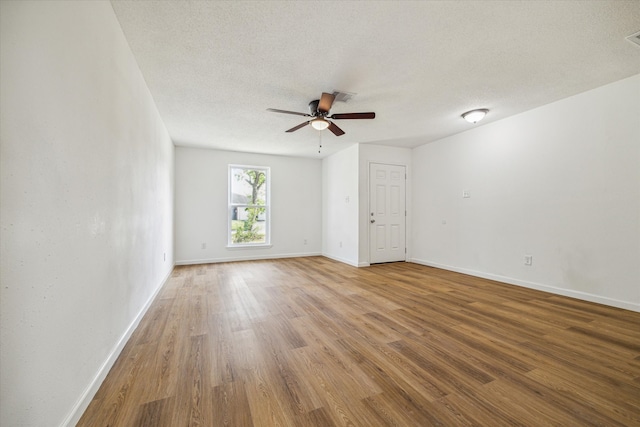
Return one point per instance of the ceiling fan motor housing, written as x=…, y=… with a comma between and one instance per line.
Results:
x=313, y=107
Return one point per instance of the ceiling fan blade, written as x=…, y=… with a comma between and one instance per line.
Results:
x=288, y=112
x=326, y=101
x=300, y=126
x=353, y=116
x=335, y=129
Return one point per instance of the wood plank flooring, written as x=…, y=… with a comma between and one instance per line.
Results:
x=313, y=342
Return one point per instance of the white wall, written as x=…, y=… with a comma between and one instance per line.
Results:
x=560, y=183
x=201, y=206
x=86, y=197
x=340, y=206
x=370, y=153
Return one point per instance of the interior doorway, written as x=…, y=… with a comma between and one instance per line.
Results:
x=387, y=213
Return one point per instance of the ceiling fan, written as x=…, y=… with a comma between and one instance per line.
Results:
x=319, y=110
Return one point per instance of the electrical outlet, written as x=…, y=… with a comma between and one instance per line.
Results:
x=340, y=244
x=305, y=241
x=465, y=194
x=164, y=256
x=204, y=246
x=528, y=260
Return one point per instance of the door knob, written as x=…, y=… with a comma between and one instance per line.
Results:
x=373, y=220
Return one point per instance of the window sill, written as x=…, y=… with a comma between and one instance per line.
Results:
x=236, y=247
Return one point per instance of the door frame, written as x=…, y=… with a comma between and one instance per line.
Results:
x=368, y=212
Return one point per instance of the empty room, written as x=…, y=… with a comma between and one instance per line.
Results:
x=327, y=213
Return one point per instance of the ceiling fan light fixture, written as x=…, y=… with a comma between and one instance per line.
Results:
x=474, y=116
x=320, y=124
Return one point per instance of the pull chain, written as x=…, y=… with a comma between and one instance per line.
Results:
x=319, y=141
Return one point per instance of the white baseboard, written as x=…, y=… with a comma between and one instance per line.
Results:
x=86, y=397
x=244, y=258
x=538, y=286
x=342, y=260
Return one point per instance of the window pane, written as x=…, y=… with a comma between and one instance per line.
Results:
x=248, y=225
x=248, y=205
x=248, y=186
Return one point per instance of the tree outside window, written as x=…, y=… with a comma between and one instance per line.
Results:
x=248, y=205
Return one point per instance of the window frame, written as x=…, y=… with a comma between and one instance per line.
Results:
x=231, y=206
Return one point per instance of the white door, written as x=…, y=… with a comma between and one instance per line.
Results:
x=387, y=215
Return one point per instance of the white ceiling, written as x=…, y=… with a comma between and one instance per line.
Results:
x=214, y=68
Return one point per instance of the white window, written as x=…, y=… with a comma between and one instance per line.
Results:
x=249, y=209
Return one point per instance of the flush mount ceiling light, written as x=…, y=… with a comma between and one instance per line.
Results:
x=320, y=124
x=474, y=116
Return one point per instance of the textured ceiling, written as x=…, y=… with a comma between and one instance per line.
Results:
x=214, y=68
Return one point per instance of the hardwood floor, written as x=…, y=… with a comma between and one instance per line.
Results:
x=313, y=342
